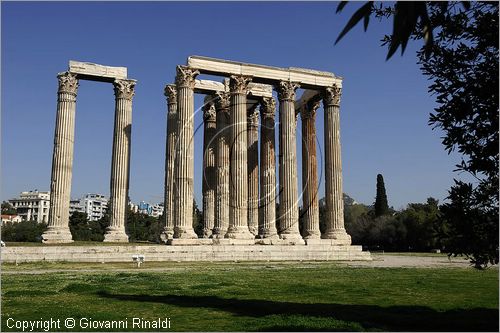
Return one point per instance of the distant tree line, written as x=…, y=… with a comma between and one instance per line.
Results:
x=140, y=227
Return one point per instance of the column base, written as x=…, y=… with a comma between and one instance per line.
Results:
x=115, y=236
x=184, y=233
x=207, y=233
x=54, y=235
x=239, y=233
x=292, y=239
x=166, y=234
x=253, y=230
x=316, y=234
x=218, y=234
x=268, y=234
x=340, y=235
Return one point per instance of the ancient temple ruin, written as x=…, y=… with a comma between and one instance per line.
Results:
x=239, y=185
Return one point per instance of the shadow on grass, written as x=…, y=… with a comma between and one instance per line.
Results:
x=393, y=318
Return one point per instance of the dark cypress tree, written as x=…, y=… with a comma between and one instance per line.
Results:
x=381, y=206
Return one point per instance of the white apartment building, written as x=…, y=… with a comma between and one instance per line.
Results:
x=94, y=205
x=75, y=205
x=32, y=206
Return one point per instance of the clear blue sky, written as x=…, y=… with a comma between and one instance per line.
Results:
x=384, y=107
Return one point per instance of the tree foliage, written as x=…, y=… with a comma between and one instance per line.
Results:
x=8, y=209
x=85, y=230
x=460, y=58
x=25, y=231
x=381, y=205
x=412, y=229
x=142, y=227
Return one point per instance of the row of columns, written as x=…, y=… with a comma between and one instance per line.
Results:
x=232, y=207
x=62, y=160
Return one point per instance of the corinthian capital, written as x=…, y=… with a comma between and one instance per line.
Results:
x=268, y=107
x=238, y=84
x=171, y=93
x=253, y=117
x=286, y=90
x=209, y=111
x=124, y=89
x=186, y=76
x=309, y=109
x=332, y=95
x=222, y=101
x=68, y=83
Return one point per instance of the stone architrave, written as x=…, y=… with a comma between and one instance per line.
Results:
x=310, y=171
x=171, y=141
x=124, y=92
x=289, y=209
x=333, y=169
x=221, y=221
x=238, y=220
x=267, y=216
x=62, y=161
x=253, y=169
x=209, y=172
x=184, y=173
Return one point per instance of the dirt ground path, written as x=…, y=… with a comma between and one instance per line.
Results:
x=379, y=260
x=393, y=260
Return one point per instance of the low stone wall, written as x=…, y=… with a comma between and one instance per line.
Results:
x=124, y=253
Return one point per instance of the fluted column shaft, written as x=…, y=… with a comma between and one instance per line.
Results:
x=310, y=172
x=238, y=220
x=171, y=141
x=253, y=170
x=184, y=173
x=289, y=214
x=209, y=172
x=62, y=161
x=267, y=216
x=119, y=185
x=333, y=169
x=221, y=221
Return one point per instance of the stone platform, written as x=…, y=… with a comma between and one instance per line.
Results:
x=124, y=253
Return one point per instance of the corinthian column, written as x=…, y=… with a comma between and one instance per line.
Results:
x=208, y=172
x=62, y=161
x=221, y=221
x=238, y=220
x=267, y=218
x=289, y=211
x=124, y=91
x=333, y=169
x=253, y=169
x=184, y=173
x=168, y=203
x=310, y=171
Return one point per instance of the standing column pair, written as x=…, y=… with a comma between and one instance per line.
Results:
x=62, y=160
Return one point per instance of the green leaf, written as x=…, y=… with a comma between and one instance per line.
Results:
x=365, y=10
x=341, y=6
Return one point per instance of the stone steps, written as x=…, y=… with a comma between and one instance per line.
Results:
x=124, y=253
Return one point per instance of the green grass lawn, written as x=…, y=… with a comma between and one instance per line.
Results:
x=257, y=296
